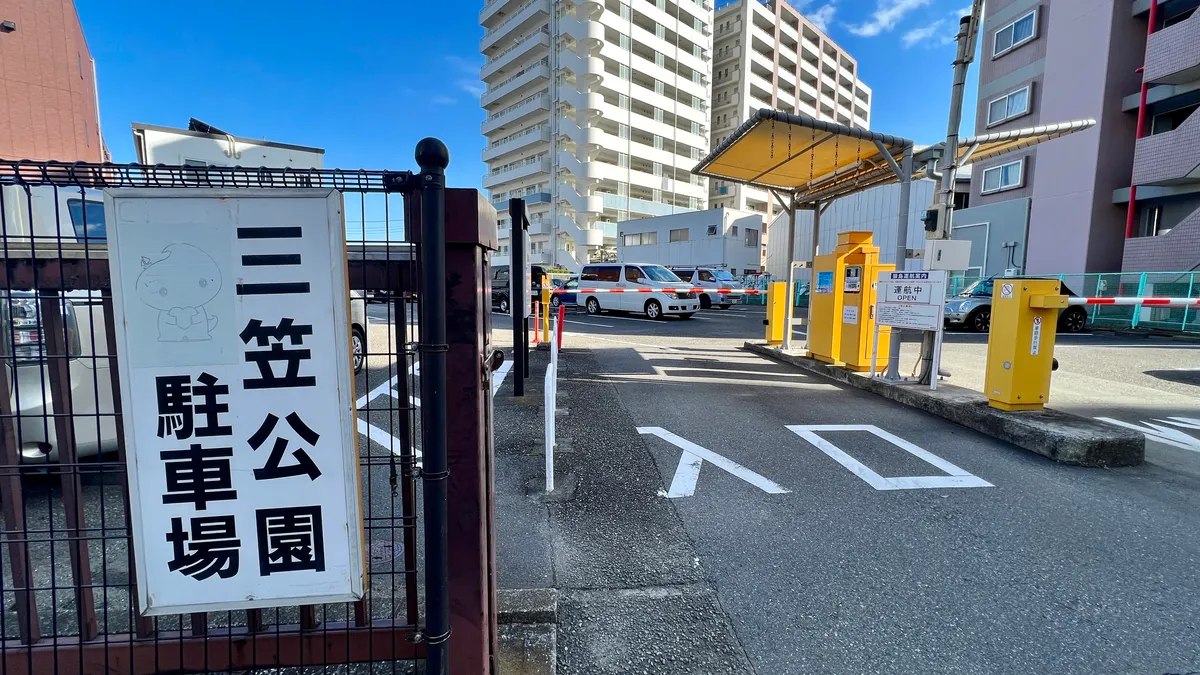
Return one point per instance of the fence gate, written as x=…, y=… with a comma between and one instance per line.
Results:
x=69, y=586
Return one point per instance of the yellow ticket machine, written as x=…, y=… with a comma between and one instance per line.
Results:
x=1020, y=354
x=842, y=298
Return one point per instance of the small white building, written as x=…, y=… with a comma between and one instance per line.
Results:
x=724, y=238
x=204, y=145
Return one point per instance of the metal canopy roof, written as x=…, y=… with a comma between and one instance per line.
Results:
x=819, y=161
x=990, y=146
x=802, y=155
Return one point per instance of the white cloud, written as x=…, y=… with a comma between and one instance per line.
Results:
x=822, y=17
x=470, y=66
x=472, y=87
x=917, y=36
x=442, y=100
x=886, y=15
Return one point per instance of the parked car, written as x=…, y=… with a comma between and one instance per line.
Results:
x=710, y=277
x=568, y=297
x=972, y=309
x=501, y=289
x=21, y=326
x=655, y=305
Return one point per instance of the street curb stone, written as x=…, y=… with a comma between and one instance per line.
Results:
x=527, y=605
x=1060, y=436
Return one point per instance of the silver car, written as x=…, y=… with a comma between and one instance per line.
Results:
x=972, y=309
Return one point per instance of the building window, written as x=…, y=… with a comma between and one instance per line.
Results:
x=1009, y=106
x=679, y=235
x=733, y=231
x=641, y=239
x=1004, y=177
x=1015, y=34
x=712, y=230
x=751, y=238
x=1151, y=222
x=1170, y=121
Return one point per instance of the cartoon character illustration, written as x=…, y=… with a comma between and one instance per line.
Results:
x=178, y=285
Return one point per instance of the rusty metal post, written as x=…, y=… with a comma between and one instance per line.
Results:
x=58, y=364
x=13, y=499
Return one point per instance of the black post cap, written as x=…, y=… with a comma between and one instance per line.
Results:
x=432, y=154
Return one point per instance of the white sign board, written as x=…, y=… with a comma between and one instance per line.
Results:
x=903, y=315
x=234, y=357
x=922, y=288
x=850, y=314
x=912, y=300
x=1035, y=345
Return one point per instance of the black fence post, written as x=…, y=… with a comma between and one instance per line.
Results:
x=433, y=157
x=518, y=291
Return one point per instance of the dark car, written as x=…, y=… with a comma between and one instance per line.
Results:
x=568, y=297
x=972, y=309
x=501, y=288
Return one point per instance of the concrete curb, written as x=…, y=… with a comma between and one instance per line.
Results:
x=528, y=605
x=528, y=631
x=1063, y=437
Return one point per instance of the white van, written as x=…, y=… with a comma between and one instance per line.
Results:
x=632, y=277
x=711, y=277
x=69, y=218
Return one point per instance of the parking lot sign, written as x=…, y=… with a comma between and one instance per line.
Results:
x=236, y=387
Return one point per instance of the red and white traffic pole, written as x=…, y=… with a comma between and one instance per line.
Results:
x=1147, y=302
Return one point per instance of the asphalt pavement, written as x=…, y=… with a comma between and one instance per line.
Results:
x=833, y=531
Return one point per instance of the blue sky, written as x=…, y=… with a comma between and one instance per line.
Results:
x=366, y=79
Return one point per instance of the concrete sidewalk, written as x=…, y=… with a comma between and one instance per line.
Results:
x=632, y=596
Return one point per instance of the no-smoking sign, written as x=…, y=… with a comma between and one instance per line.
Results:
x=1006, y=290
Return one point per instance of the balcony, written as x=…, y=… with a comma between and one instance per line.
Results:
x=515, y=84
x=531, y=44
x=511, y=144
x=1173, y=54
x=640, y=206
x=516, y=173
x=492, y=8
x=530, y=199
x=517, y=112
x=1169, y=158
x=1172, y=251
x=525, y=17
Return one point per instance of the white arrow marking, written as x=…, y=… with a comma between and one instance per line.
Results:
x=694, y=456
x=1167, y=435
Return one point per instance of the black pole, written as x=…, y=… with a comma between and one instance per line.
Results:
x=433, y=157
x=517, y=300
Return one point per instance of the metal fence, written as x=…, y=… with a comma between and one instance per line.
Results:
x=67, y=580
x=1127, y=285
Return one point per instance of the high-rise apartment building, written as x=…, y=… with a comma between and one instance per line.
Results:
x=596, y=112
x=768, y=55
x=1044, y=62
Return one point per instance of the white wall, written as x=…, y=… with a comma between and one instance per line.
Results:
x=166, y=147
x=874, y=210
x=722, y=250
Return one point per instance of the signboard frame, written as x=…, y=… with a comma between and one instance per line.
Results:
x=922, y=300
x=344, y=438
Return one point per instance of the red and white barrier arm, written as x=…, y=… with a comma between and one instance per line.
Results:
x=1147, y=302
x=719, y=291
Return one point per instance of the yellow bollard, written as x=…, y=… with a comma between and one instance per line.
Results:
x=777, y=299
x=1020, y=353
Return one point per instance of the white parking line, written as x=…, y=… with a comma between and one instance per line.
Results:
x=499, y=375
x=958, y=478
x=584, y=323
